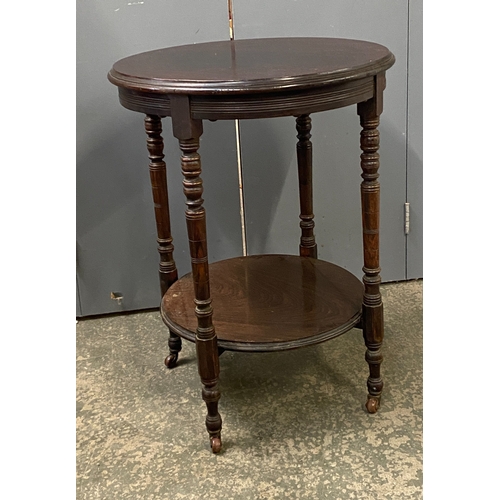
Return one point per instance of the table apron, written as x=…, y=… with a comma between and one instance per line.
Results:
x=248, y=106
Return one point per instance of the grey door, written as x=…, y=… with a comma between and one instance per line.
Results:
x=268, y=146
x=115, y=222
x=414, y=155
x=116, y=233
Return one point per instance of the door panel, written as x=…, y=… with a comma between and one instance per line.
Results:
x=268, y=146
x=415, y=144
x=116, y=232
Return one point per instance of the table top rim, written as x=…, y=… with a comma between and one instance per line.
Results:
x=127, y=79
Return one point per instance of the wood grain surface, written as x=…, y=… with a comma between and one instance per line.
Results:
x=270, y=302
x=255, y=65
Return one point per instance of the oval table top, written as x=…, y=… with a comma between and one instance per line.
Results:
x=251, y=66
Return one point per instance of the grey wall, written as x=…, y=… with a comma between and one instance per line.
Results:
x=115, y=222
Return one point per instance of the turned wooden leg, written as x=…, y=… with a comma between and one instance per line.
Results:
x=188, y=132
x=373, y=322
x=158, y=175
x=308, y=247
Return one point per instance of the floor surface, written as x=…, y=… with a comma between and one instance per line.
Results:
x=294, y=423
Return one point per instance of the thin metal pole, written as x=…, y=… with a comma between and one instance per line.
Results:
x=238, y=149
x=230, y=12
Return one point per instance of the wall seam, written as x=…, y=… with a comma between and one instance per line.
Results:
x=407, y=123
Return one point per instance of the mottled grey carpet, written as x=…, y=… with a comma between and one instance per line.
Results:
x=294, y=423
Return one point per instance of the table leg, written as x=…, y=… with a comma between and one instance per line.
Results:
x=158, y=175
x=188, y=131
x=373, y=325
x=308, y=247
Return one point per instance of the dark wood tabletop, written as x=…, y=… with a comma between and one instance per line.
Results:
x=257, y=78
x=254, y=65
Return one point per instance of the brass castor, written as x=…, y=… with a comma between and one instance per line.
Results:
x=372, y=404
x=216, y=444
x=171, y=360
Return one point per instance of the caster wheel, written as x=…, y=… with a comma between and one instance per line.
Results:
x=171, y=360
x=215, y=444
x=372, y=404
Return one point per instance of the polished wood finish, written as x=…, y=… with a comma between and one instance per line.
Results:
x=188, y=132
x=251, y=66
x=259, y=78
x=262, y=303
x=373, y=324
x=270, y=302
x=254, y=105
x=158, y=177
x=308, y=247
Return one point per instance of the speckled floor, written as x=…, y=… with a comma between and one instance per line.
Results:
x=294, y=423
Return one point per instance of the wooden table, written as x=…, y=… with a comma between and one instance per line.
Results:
x=261, y=302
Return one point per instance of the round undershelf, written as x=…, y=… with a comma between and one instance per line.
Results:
x=269, y=302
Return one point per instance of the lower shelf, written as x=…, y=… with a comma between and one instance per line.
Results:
x=269, y=302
